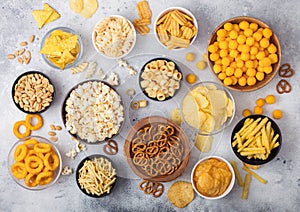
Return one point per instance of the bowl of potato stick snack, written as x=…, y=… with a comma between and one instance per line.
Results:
x=256, y=139
x=96, y=176
x=61, y=48
x=114, y=37
x=160, y=79
x=34, y=163
x=175, y=28
x=208, y=107
x=212, y=177
x=244, y=53
x=157, y=149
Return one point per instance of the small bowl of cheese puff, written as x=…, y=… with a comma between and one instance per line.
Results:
x=244, y=53
x=208, y=107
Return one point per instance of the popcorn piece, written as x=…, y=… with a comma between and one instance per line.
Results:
x=90, y=70
x=113, y=79
x=100, y=74
x=122, y=63
x=67, y=170
x=72, y=153
x=80, y=147
x=131, y=70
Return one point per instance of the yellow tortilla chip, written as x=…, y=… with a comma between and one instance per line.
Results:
x=55, y=15
x=89, y=8
x=41, y=16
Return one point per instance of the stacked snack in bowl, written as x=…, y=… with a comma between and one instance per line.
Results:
x=244, y=53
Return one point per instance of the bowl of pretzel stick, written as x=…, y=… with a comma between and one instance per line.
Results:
x=157, y=149
x=244, y=53
x=175, y=28
x=256, y=139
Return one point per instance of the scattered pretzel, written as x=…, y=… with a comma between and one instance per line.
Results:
x=154, y=188
x=286, y=71
x=283, y=86
x=111, y=147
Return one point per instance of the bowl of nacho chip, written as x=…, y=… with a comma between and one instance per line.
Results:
x=208, y=107
x=175, y=28
x=61, y=48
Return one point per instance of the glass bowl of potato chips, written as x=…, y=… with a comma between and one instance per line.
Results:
x=208, y=107
x=256, y=139
x=178, y=35
x=61, y=48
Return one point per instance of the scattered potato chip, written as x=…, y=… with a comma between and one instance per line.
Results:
x=47, y=15
x=181, y=194
x=207, y=108
x=89, y=8
x=76, y=5
x=175, y=116
x=61, y=48
x=203, y=143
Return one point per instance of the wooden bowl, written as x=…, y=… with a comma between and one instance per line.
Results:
x=273, y=39
x=152, y=121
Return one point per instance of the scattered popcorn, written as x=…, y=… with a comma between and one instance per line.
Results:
x=113, y=79
x=100, y=74
x=90, y=70
x=72, y=153
x=122, y=63
x=67, y=170
x=131, y=70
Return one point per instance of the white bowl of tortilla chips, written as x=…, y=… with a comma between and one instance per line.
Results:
x=208, y=107
x=61, y=48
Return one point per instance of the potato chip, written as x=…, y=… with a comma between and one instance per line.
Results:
x=76, y=5
x=89, y=8
x=61, y=48
x=181, y=194
x=203, y=143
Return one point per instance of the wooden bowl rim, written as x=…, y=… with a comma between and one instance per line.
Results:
x=275, y=41
x=182, y=135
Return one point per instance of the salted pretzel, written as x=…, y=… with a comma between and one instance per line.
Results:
x=286, y=71
x=111, y=147
x=283, y=86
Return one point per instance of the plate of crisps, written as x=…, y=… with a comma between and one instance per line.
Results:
x=34, y=163
x=157, y=149
x=175, y=28
x=61, y=48
x=256, y=139
x=208, y=107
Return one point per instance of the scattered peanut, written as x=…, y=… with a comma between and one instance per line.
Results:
x=58, y=128
x=24, y=43
x=53, y=138
x=11, y=56
x=20, y=60
x=52, y=127
x=21, y=51
x=51, y=133
x=31, y=39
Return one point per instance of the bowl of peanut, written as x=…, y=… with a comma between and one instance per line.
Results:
x=33, y=92
x=244, y=53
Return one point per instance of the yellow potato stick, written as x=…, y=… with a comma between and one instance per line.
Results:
x=162, y=19
x=268, y=130
x=258, y=142
x=249, y=129
x=246, y=186
x=239, y=140
x=271, y=133
x=245, y=144
x=178, y=17
x=265, y=140
x=258, y=127
x=237, y=173
x=260, y=179
x=259, y=151
x=273, y=141
x=275, y=145
x=247, y=122
x=235, y=142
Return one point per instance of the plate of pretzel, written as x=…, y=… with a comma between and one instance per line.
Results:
x=157, y=149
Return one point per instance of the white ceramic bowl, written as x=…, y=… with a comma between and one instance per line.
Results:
x=129, y=48
x=230, y=186
x=182, y=10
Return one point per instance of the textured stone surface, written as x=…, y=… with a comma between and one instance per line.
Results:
x=281, y=193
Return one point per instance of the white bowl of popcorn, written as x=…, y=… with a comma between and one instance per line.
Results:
x=179, y=35
x=93, y=112
x=114, y=37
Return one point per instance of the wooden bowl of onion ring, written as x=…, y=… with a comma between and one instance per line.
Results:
x=265, y=75
x=34, y=163
x=157, y=149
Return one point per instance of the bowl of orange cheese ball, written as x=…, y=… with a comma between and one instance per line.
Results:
x=244, y=53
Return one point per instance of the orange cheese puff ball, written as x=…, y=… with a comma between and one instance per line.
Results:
x=260, y=102
x=201, y=65
x=258, y=110
x=270, y=99
x=277, y=114
x=190, y=57
x=246, y=112
x=191, y=78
